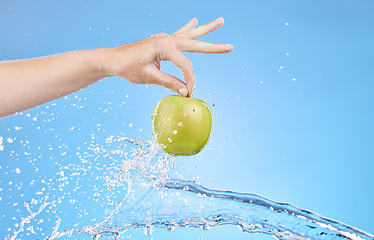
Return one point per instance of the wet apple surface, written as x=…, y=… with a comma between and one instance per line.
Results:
x=182, y=125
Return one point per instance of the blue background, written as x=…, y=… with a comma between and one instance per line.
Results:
x=293, y=114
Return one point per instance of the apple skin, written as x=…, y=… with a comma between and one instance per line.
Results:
x=182, y=125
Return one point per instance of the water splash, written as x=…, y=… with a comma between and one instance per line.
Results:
x=27, y=219
x=154, y=200
x=1, y=144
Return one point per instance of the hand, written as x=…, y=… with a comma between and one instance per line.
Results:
x=139, y=62
x=30, y=82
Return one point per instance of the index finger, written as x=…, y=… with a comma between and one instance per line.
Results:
x=182, y=62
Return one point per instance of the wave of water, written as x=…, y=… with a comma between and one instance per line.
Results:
x=153, y=200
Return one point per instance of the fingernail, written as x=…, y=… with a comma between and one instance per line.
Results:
x=183, y=92
x=229, y=46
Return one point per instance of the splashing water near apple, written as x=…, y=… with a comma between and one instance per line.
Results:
x=148, y=198
x=154, y=200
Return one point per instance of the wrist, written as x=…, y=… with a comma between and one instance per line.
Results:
x=100, y=63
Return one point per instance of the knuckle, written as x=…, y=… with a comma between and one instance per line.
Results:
x=187, y=65
x=169, y=84
x=163, y=41
x=162, y=35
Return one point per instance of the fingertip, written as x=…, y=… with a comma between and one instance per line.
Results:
x=183, y=92
x=221, y=20
x=218, y=22
x=191, y=91
x=191, y=86
x=225, y=48
x=194, y=21
x=229, y=47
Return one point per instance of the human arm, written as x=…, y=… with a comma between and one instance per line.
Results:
x=28, y=83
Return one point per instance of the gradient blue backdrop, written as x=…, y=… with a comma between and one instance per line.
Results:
x=293, y=114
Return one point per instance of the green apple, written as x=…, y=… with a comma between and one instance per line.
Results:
x=182, y=125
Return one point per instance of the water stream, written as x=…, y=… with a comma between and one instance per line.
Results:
x=154, y=200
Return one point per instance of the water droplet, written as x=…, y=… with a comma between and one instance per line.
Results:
x=148, y=230
x=171, y=228
x=175, y=132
